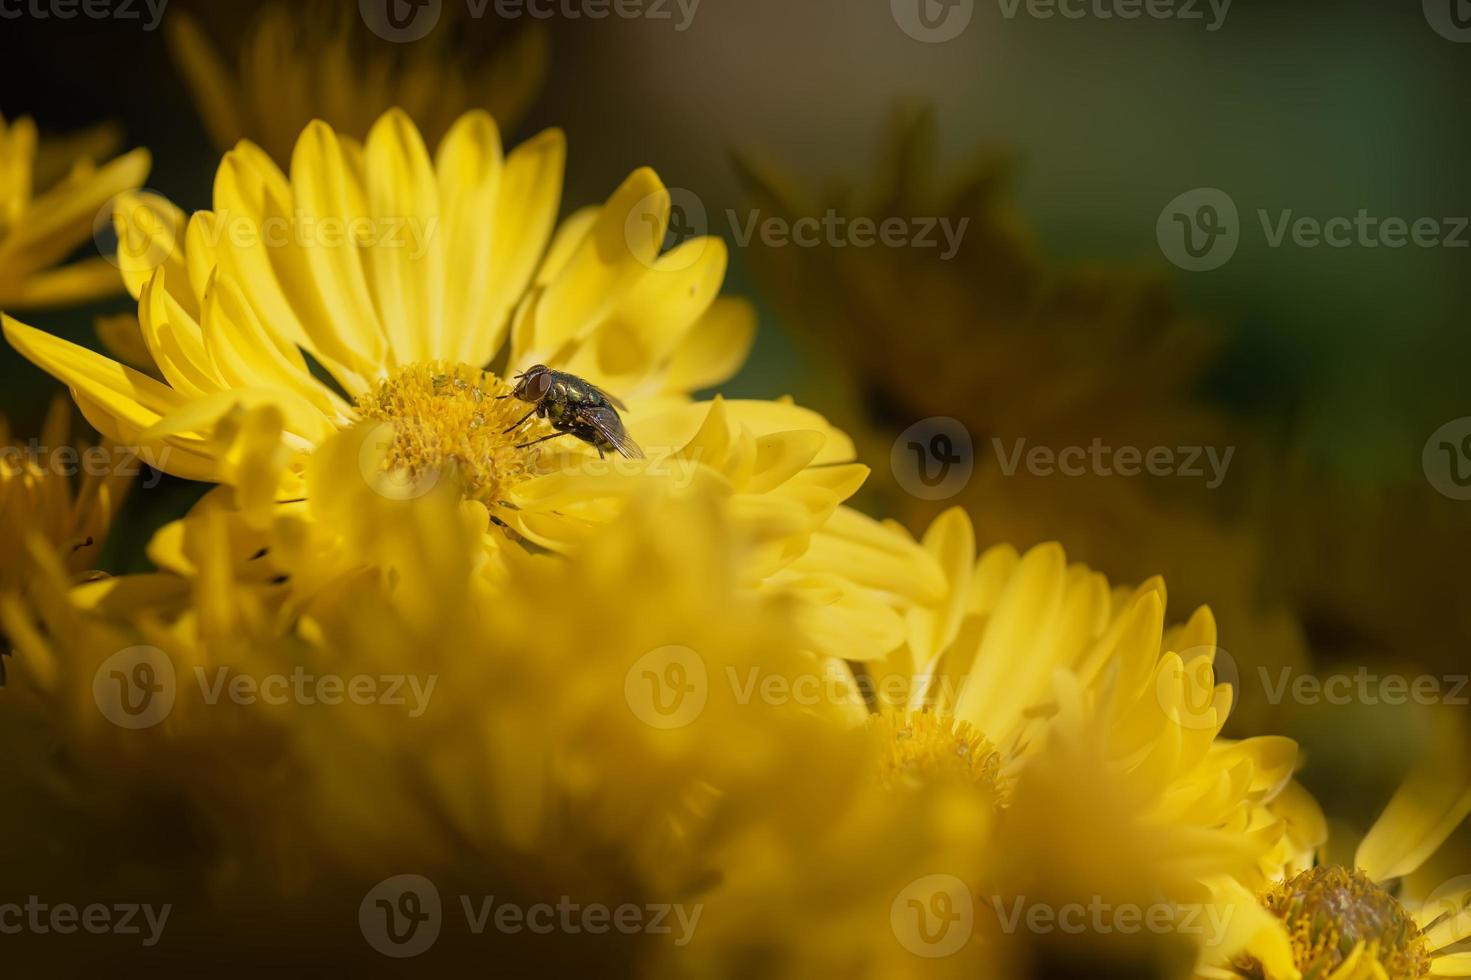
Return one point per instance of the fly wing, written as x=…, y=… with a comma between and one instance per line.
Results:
x=610, y=427
x=615, y=402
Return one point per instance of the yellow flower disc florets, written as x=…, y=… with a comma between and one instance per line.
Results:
x=924, y=747
x=1329, y=911
x=447, y=415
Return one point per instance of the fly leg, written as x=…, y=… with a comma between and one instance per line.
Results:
x=542, y=439
x=523, y=419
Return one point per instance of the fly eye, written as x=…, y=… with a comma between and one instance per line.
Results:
x=540, y=385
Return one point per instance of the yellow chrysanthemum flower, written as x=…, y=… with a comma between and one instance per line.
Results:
x=304, y=61
x=378, y=285
x=51, y=194
x=981, y=669
x=1376, y=919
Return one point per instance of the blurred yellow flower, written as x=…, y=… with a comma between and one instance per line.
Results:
x=51, y=193
x=573, y=735
x=56, y=498
x=305, y=61
x=64, y=493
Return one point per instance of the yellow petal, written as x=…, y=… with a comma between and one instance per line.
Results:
x=1427, y=808
x=607, y=264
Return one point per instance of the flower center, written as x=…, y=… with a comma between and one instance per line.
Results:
x=452, y=414
x=924, y=747
x=1330, y=910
